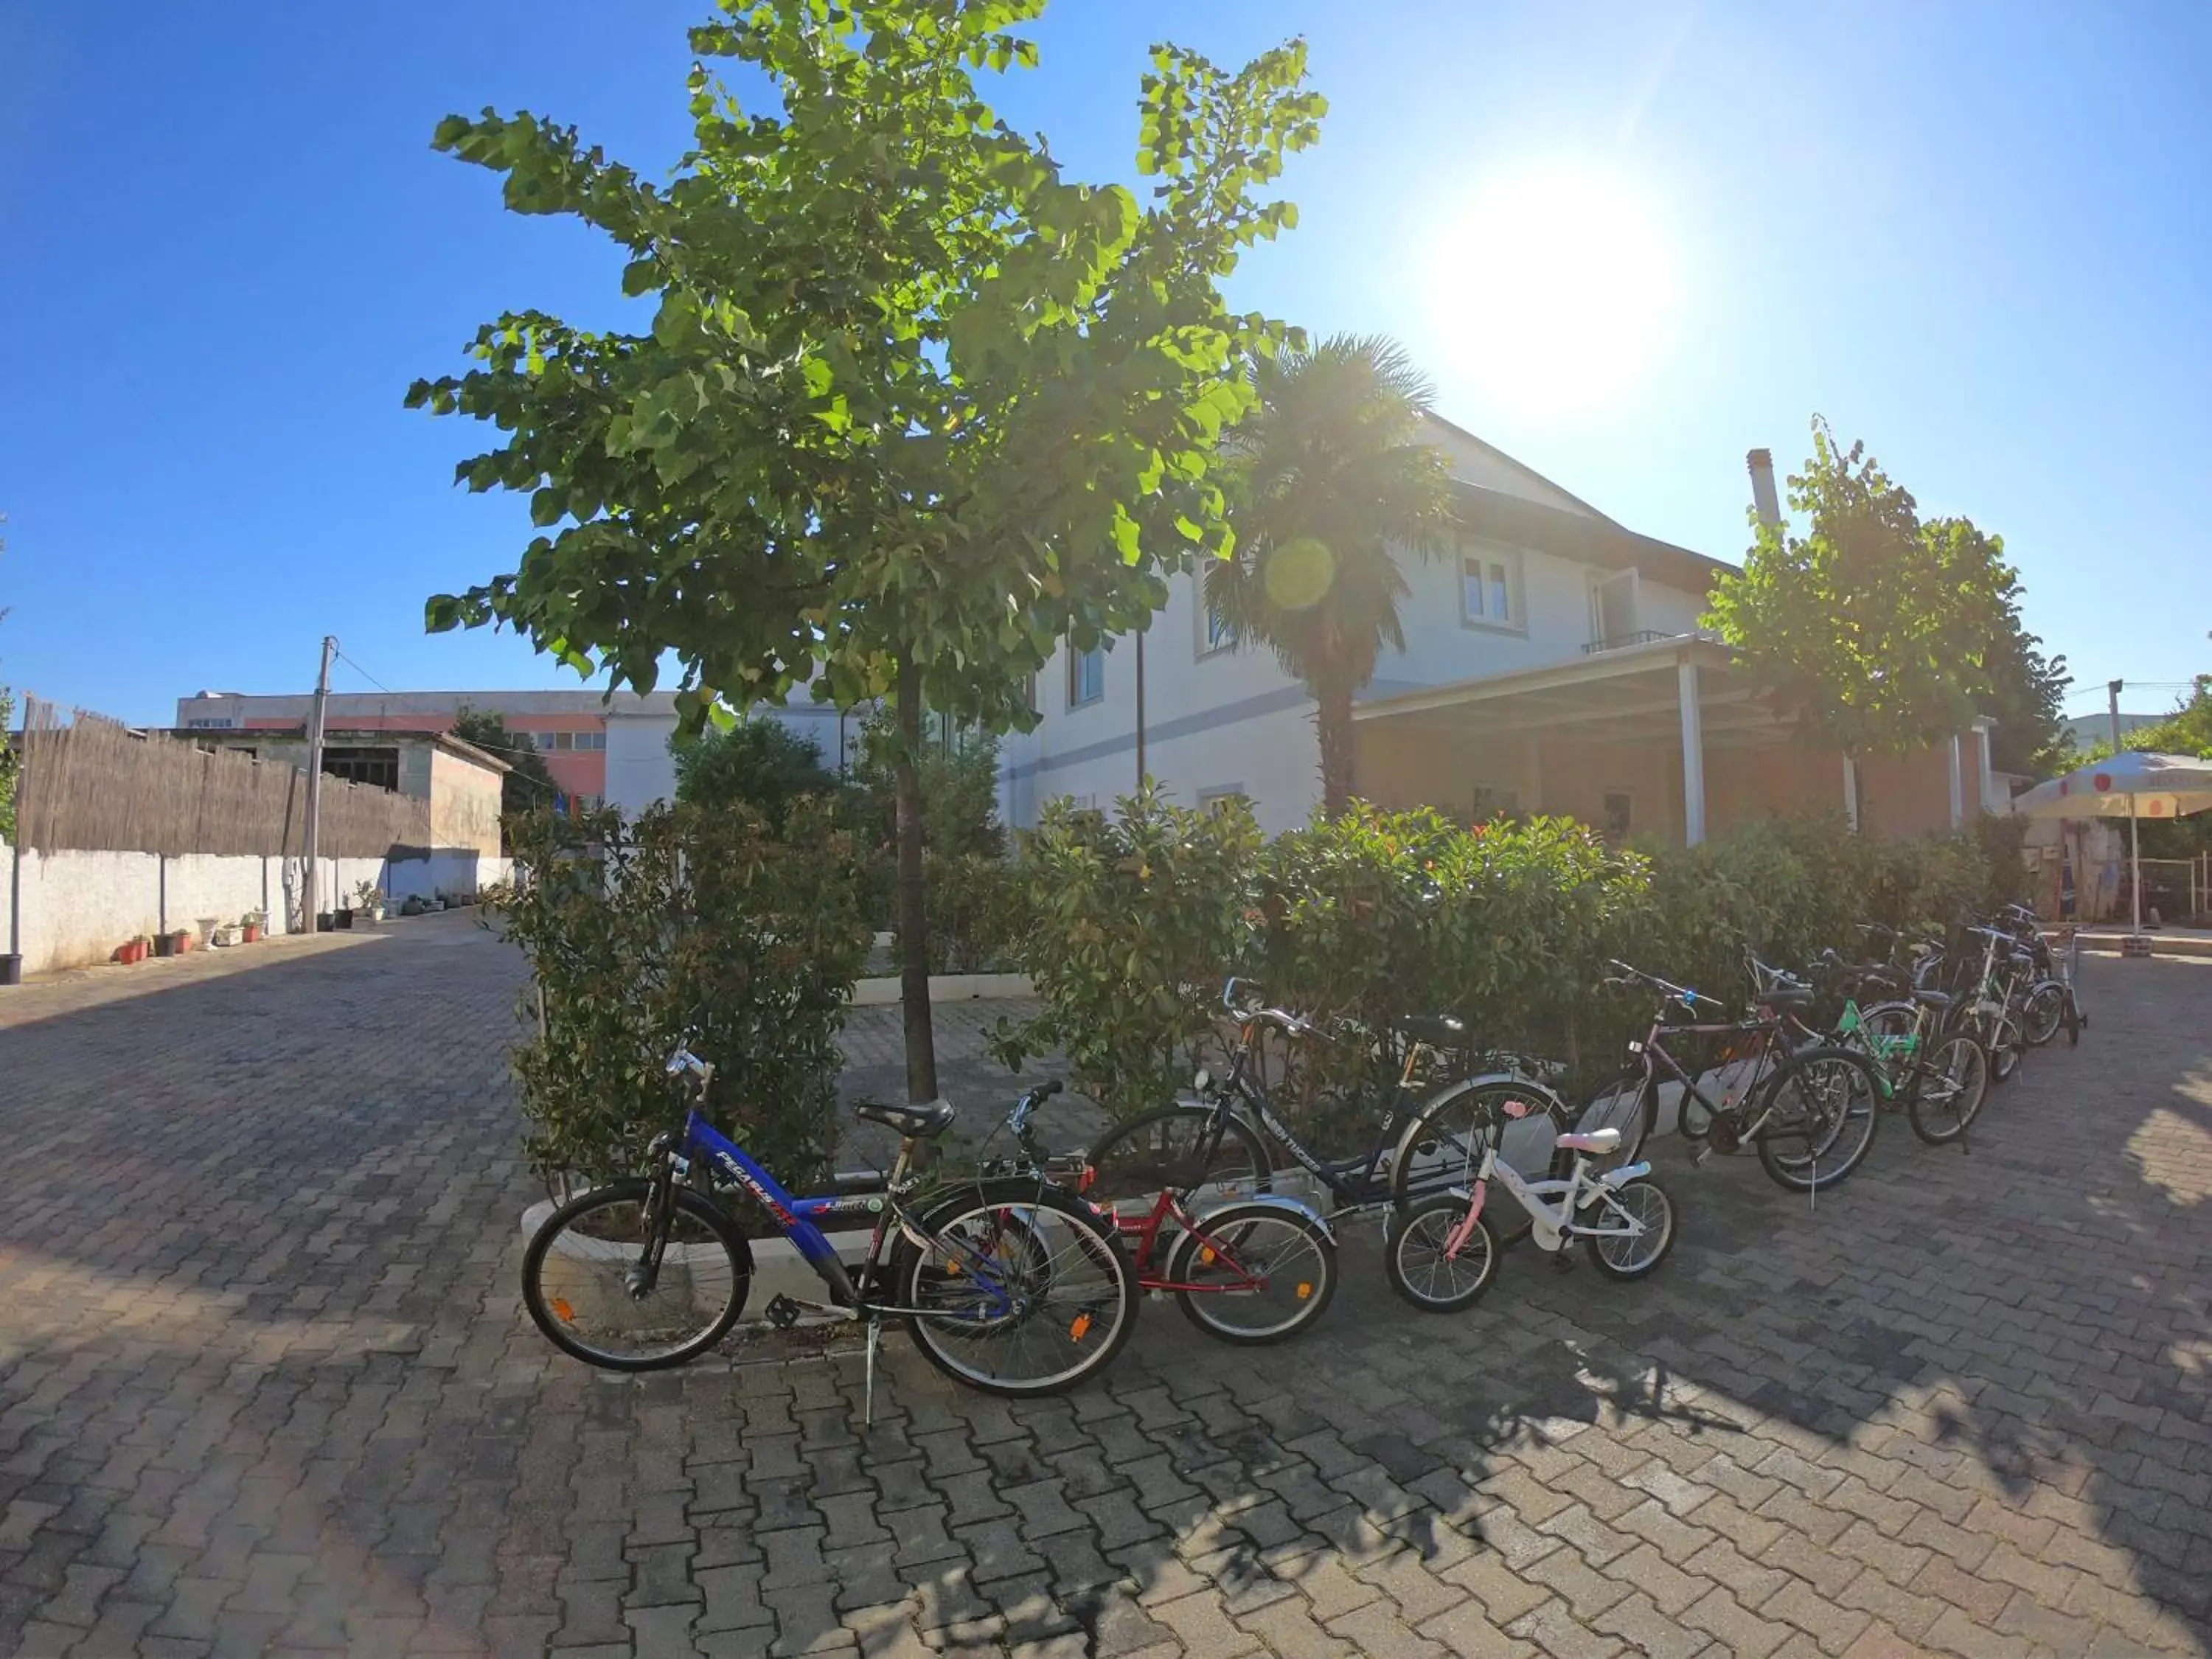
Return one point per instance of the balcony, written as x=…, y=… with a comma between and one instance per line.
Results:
x=1622, y=641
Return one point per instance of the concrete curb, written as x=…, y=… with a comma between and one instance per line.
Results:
x=945, y=987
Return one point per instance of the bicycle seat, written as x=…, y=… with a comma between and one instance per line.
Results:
x=1438, y=1030
x=1600, y=1141
x=912, y=1123
x=1786, y=996
x=1937, y=999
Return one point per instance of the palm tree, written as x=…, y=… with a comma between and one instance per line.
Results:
x=1332, y=470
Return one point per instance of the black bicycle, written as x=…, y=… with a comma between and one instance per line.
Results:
x=1217, y=1145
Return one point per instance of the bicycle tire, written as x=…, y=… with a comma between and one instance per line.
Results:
x=1635, y=1195
x=1167, y=1149
x=1425, y=1230
x=600, y=1293
x=2039, y=1027
x=1926, y=1123
x=1233, y=1227
x=2075, y=1019
x=1441, y=1149
x=2005, y=1050
x=1808, y=1173
x=1028, y=1202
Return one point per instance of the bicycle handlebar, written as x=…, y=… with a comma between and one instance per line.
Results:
x=1246, y=1013
x=1018, y=1119
x=1681, y=994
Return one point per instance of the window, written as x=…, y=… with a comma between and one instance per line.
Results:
x=1491, y=799
x=1490, y=590
x=1086, y=675
x=593, y=740
x=377, y=767
x=1214, y=633
x=1218, y=798
x=1619, y=812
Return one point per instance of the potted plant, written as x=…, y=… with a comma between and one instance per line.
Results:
x=131, y=951
x=368, y=902
x=327, y=920
x=180, y=941
x=249, y=926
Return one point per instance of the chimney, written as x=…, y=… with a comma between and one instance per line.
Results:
x=1761, y=463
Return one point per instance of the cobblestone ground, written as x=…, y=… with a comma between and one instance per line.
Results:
x=265, y=1386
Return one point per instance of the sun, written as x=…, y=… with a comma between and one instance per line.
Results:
x=1552, y=287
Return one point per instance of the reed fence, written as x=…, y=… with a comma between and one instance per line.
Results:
x=91, y=784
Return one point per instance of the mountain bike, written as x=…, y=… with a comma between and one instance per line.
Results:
x=2052, y=1001
x=1442, y=1256
x=1254, y=1270
x=1011, y=1285
x=1993, y=1006
x=1795, y=1109
x=1216, y=1146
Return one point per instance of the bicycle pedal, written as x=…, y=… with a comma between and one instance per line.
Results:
x=1563, y=1261
x=783, y=1312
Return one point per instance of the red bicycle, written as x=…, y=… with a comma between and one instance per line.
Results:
x=1252, y=1270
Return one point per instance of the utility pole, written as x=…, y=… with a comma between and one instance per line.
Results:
x=309, y=883
x=2112, y=690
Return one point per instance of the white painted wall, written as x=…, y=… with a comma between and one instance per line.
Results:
x=640, y=769
x=78, y=907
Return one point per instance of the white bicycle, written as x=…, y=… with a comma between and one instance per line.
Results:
x=1442, y=1255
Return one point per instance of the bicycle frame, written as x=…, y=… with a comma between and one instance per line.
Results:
x=1552, y=1228
x=1169, y=1208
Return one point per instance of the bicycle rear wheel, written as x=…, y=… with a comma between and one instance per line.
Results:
x=1441, y=1150
x=1815, y=1119
x=1949, y=1091
x=1018, y=1288
x=1259, y=1272
x=2043, y=1013
x=1208, y=1154
x=585, y=1281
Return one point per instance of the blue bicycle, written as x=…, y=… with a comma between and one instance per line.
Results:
x=1007, y=1283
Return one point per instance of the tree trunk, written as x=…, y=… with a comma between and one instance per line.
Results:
x=1333, y=722
x=913, y=910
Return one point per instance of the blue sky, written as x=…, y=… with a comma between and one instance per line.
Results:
x=1629, y=243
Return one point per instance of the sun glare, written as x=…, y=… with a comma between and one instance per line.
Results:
x=1553, y=287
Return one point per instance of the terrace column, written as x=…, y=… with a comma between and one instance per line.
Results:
x=1958, y=786
x=1693, y=756
x=1851, y=792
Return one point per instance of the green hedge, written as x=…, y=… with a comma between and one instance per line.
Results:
x=1135, y=919
x=689, y=924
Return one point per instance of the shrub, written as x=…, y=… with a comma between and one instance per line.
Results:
x=688, y=925
x=975, y=914
x=1135, y=920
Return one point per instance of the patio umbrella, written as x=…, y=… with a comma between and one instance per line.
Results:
x=2131, y=786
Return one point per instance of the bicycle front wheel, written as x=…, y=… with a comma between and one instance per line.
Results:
x=1206, y=1154
x=1254, y=1273
x=1815, y=1118
x=1016, y=1288
x=1437, y=1259
x=594, y=1286
x=1950, y=1088
x=1632, y=1230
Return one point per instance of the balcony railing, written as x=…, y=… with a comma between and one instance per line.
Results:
x=1620, y=642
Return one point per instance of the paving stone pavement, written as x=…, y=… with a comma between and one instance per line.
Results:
x=265, y=1386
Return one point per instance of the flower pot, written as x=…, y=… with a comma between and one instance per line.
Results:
x=184, y=941
x=252, y=932
x=165, y=945
x=11, y=968
x=324, y=920
x=130, y=950
x=343, y=917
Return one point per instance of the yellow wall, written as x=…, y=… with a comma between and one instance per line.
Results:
x=464, y=804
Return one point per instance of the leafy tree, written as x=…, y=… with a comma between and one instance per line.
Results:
x=913, y=405
x=760, y=763
x=959, y=790
x=1872, y=631
x=2022, y=689
x=528, y=786
x=1332, y=469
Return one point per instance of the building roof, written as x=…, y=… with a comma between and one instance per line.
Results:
x=380, y=736
x=1595, y=539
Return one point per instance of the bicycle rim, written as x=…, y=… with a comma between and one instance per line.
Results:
x=1256, y=1274
x=1017, y=1298
x=1422, y=1265
x=1819, y=1125
x=2045, y=1011
x=577, y=1279
x=1442, y=1150
x=1951, y=1090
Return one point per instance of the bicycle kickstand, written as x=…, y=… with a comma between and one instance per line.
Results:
x=868, y=1387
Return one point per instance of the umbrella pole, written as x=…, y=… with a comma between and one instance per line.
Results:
x=2135, y=840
